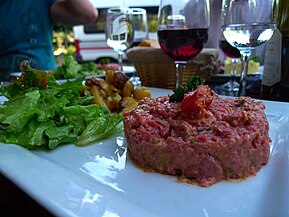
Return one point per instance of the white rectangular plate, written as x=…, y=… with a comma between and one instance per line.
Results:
x=100, y=180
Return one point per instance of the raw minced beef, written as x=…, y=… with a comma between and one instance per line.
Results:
x=204, y=138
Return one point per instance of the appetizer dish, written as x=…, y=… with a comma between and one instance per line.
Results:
x=199, y=136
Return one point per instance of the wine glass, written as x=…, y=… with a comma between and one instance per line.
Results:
x=119, y=31
x=231, y=87
x=247, y=24
x=182, y=30
x=140, y=27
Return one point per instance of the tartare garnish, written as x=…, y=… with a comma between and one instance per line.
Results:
x=192, y=83
x=198, y=99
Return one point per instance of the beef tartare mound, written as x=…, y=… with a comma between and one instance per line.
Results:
x=204, y=138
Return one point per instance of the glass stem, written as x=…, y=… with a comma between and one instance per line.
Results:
x=120, y=64
x=180, y=68
x=244, y=72
x=233, y=73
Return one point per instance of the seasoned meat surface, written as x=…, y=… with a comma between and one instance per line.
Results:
x=221, y=139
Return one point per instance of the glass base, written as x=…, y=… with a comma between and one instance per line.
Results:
x=228, y=89
x=228, y=86
x=135, y=81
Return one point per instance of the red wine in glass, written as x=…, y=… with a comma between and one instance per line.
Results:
x=182, y=44
x=229, y=50
x=231, y=87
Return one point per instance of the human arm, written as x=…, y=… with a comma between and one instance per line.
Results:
x=73, y=12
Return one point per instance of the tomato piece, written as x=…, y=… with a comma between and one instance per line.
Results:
x=198, y=99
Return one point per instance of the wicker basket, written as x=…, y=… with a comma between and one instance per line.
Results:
x=156, y=69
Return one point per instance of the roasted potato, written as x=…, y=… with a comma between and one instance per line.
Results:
x=119, y=79
x=141, y=92
x=112, y=101
x=127, y=104
x=116, y=92
x=127, y=89
x=104, y=87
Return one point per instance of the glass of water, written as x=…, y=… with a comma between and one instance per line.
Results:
x=247, y=24
x=119, y=31
x=140, y=26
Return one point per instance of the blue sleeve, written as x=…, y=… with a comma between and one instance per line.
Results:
x=50, y=3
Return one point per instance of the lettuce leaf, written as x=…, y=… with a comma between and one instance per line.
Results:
x=81, y=116
x=72, y=69
x=99, y=129
x=17, y=112
x=41, y=113
x=69, y=69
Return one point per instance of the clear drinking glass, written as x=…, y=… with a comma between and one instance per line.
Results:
x=183, y=30
x=119, y=31
x=247, y=24
x=140, y=27
x=231, y=87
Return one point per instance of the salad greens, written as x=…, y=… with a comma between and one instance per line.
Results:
x=72, y=69
x=43, y=113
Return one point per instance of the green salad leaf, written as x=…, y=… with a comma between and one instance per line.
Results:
x=69, y=68
x=41, y=113
x=99, y=129
x=72, y=69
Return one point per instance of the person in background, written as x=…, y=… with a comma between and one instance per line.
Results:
x=215, y=24
x=26, y=30
x=214, y=31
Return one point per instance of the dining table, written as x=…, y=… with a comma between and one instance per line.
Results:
x=101, y=180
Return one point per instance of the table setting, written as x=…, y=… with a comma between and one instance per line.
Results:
x=100, y=167
x=99, y=180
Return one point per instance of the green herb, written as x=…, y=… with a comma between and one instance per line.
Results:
x=43, y=113
x=248, y=119
x=192, y=83
x=241, y=102
x=157, y=141
x=192, y=140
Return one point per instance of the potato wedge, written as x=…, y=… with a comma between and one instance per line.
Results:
x=109, y=76
x=98, y=99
